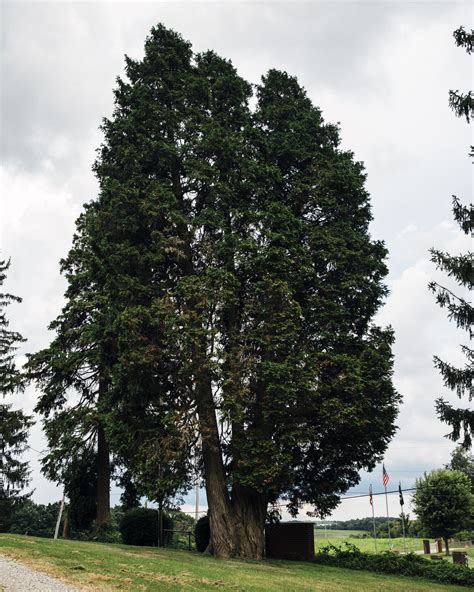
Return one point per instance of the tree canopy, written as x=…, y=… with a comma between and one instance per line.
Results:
x=444, y=503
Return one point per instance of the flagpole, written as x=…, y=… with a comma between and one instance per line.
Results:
x=385, y=479
x=403, y=515
x=388, y=517
x=373, y=518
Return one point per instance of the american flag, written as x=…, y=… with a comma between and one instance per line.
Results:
x=371, y=501
x=385, y=477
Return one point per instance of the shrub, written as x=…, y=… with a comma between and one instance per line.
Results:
x=202, y=533
x=411, y=565
x=139, y=526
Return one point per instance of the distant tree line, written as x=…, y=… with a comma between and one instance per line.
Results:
x=357, y=523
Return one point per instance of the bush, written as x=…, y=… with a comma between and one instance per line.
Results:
x=202, y=533
x=139, y=526
x=411, y=565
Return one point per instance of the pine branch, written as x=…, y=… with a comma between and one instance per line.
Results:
x=464, y=39
x=456, y=379
x=462, y=312
x=462, y=104
x=464, y=215
x=460, y=420
x=459, y=267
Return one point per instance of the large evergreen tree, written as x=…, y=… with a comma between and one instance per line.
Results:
x=458, y=267
x=243, y=282
x=14, y=423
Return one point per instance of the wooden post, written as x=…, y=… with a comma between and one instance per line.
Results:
x=58, y=522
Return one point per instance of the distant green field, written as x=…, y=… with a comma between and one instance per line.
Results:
x=120, y=568
x=338, y=537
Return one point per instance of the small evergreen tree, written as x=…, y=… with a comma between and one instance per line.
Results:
x=14, y=424
x=459, y=380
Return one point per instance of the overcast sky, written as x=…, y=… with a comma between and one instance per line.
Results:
x=381, y=69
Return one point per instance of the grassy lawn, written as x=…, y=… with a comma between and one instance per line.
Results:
x=338, y=537
x=97, y=566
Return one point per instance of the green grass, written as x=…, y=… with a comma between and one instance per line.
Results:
x=105, y=567
x=367, y=545
x=338, y=537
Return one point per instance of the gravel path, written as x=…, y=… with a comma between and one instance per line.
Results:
x=15, y=577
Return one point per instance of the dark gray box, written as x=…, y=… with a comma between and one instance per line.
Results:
x=290, y=540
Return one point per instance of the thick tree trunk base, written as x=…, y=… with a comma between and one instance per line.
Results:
x=241, y=533
x=250, y=512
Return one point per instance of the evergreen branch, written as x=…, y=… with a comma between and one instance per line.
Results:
x=456, y=379
x=459, y=267
x=464, y=39
x=460, y=420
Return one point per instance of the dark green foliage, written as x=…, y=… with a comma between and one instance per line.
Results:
x=463, y=460
x=238, y=251
x=72, y=376
x=415, y=529
x=395, y=528
x=463, y=104
x=14, y=424
x=458, y=306
x=130, y=497
x=14, y=473
x=11, y=379
x=223, y=287
x=139, y=526
x=80, y=481
x=410, y=565
x=110, y=532
x=202, y=533
x=35, y=519
x=444, y=503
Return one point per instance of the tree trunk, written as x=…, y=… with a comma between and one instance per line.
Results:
x=220, y=513
x=66, y=527
x=161, y=538
x=103, y=478
x=250, y=508
x=227, y=539
x=446, y=542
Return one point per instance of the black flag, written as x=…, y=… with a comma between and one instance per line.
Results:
x=400, y=494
